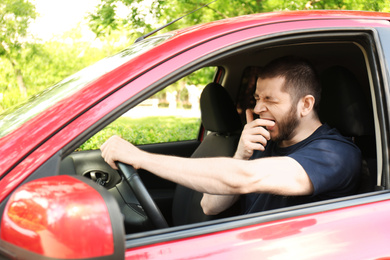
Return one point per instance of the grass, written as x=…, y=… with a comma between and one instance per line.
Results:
x=147, y=130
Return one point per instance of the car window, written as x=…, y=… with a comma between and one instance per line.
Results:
x=170, y=115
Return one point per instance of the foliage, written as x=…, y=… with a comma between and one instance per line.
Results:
x=50, y=63
x=147, y=130
x=15, y=16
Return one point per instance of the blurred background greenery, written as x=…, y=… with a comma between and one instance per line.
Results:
x=29, y=64
x=146, y=130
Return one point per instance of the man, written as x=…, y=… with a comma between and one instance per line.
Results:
x=284, y=157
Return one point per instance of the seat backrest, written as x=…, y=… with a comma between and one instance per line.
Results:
x=221, y=120
x=345, y=106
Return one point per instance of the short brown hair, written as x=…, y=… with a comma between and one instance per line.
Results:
x=300, y=77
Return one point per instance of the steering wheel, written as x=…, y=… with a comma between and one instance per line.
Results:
x=142, y=195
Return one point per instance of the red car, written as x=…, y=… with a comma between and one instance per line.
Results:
x=57, y=203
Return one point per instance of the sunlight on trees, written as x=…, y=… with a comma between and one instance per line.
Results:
x=15, y=16
x=30, y=65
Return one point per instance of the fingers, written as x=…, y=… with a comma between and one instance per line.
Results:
x=255, y=129
x=117, y=149
x=256, y=139
x=251, y=122
x=255, y=136
x=110, y=150
x=249, y=115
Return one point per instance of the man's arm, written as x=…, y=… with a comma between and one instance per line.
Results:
x=215, y=204
x=222, y=176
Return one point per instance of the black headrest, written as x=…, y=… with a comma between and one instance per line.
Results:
x=218, y=111
x=343, y=104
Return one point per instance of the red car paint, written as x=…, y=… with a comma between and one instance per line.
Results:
x=334, y=234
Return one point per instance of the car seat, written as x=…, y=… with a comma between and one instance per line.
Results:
x=223, y=127
x=345, y=106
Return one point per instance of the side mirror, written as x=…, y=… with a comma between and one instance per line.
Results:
x=62, y=217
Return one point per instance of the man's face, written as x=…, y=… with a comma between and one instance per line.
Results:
x=276, y=105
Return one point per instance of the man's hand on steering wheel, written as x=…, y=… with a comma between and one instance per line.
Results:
x=116, y=149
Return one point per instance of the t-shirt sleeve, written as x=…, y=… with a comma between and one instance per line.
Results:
x=333, y=166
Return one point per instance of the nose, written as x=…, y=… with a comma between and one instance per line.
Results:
x=259, y=107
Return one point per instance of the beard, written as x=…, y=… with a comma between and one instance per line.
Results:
x=287, y=126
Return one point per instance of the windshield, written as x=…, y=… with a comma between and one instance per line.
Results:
x=16, y=116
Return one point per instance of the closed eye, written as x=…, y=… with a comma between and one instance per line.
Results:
x=265, y=99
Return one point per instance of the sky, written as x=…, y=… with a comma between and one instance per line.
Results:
x=58, y=16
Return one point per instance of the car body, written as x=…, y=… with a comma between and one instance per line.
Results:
x=37, y=137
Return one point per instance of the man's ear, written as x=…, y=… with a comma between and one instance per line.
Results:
x=306, y=105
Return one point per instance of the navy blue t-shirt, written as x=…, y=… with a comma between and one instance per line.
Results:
x=331, y=161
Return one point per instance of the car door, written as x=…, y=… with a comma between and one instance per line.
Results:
x=320, y=230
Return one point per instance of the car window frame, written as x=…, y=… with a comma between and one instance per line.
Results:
x=383, y=67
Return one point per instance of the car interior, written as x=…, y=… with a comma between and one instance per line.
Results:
x=346, y=64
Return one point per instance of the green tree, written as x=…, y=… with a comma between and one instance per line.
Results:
x=15, y=16
x=44, y=64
